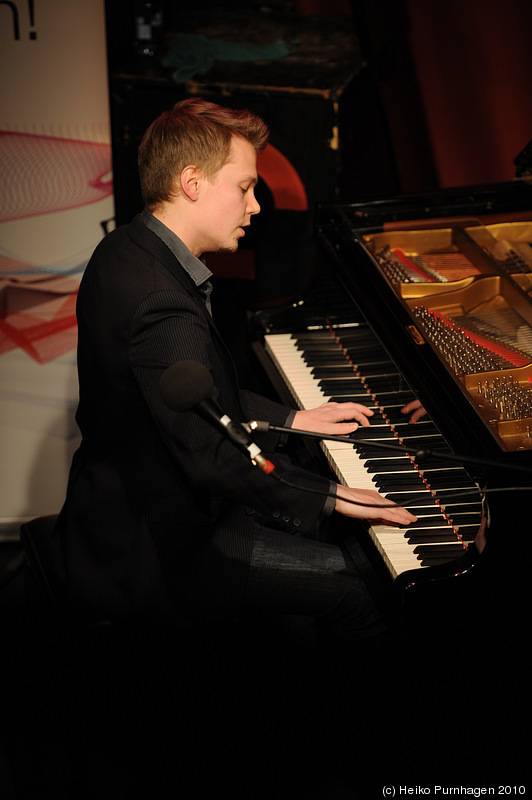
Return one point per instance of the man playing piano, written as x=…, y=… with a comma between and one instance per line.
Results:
x=165, y=519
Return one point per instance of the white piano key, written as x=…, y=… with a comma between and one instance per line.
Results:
x=349, y=468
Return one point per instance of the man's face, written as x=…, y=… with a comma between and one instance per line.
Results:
x=227, y=201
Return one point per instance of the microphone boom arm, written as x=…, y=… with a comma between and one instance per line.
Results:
x=421, y=455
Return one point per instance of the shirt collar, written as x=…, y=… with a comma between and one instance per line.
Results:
x=195, y=267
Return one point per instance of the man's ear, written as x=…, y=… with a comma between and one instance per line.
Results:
x=190, y=180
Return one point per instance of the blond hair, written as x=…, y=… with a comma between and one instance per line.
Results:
x=194, y=132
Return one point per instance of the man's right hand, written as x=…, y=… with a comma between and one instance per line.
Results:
x=393, y=515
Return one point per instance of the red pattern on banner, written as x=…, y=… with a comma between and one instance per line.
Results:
x=44, y=330
x=45, y=174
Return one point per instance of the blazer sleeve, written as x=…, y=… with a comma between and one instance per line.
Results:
x=168, y=327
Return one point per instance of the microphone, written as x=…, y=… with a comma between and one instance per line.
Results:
x=188, y=385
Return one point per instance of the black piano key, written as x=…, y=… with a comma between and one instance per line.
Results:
x=381, y=431
x=354, y=396
x=446, y=481
x=319, y=346
x=421, y=429
x=415, y=443
x=411, y=497
x=375, y=380
x=394, y=476
x=369, y=367
x=330, y=384
x=442, y=494
x=426, y=538
x=429, y=510
x=396, y=417
x=369, y=356
x=380, y=416
x=431, y=550
x=400, y=464
x=468, y=536
x=325, y=360
x=367, y=364
x=432, y=555
x=439, y=526
x=427, y=467
x=367, y=433
x=452, y=508
x=375, y=458
x=358, y=340
x=376, y=432
x=336, y=371
x=363, y=399
x=367, y=353
x=464, y=520
x=435, y=561
x=355, y=336
x=438, y=537
x=353, y=348
x=347, y=387
x=360, y=333
x=426, y=524
x=451, y=470
x=371, y=452
x=398, y=484
x=378, y=421
x=377, y=418
x=435, y=461
x=393, y=415
x=306, y=341
x=400, y=397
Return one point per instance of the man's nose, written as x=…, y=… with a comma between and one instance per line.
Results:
x=253, y=206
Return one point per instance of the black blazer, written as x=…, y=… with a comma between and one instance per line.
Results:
x=159, y=512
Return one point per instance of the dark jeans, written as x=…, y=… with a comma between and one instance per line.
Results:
x=313, y=580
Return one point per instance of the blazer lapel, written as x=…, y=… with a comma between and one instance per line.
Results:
x=146, y=239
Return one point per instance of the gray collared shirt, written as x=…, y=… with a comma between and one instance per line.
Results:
x=197, y=270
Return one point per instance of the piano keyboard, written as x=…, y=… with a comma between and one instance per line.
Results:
x=348, y=363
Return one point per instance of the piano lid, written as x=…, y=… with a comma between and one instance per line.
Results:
x=451, y=295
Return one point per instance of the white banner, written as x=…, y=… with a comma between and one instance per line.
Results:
x=55, y=204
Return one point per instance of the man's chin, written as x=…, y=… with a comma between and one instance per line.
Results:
x=230, y=248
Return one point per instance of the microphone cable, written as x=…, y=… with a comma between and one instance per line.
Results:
x=413, y=499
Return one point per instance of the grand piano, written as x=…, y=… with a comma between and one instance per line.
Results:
x=426, y=299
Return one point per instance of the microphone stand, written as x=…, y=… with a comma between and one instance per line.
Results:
x=422, y=455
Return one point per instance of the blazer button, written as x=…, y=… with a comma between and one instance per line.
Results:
x=296, y=522
x=249, y=510
x=276, y=514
